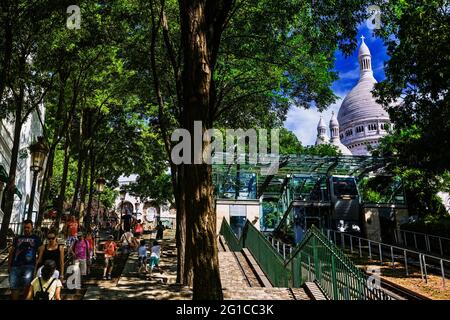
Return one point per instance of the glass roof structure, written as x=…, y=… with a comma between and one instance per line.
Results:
x=269, y=174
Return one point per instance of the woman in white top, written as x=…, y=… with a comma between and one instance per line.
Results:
x=45, y=285
x=128, y=242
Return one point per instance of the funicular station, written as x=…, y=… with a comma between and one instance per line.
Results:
x=302, y=221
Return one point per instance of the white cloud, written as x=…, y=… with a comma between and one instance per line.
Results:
x=304, y=122
x=350, y=74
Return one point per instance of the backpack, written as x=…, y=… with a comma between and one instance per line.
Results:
x=139, y=229
x=43, y=295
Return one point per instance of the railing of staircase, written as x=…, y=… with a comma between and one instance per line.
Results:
x=317, y=259
x=233, y=242
x=268, y=258
x=314, y=259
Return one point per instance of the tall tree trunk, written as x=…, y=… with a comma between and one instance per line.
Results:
x=88, y=217
x=84, y=186
x=8, y=196
x=46, y=183
x=81, y=156
x=62, y=188
x=58, y=131
x=7, y=50
x=184, y=270
x=201, y=24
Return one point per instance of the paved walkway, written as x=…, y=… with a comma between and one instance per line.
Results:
x=134, y=286
x=236, y=287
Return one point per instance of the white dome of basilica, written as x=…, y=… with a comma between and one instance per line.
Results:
x=362, y=121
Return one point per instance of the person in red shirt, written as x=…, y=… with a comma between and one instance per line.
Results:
x=71, y=231
x=110, y=249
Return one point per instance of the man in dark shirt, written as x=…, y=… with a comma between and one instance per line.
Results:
x=22, y=260
x=127, y=222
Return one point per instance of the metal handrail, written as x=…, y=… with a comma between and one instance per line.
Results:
x=388, y=245
x=344, y=276
x=424, y=234
x=3, y=251
x=424, y=259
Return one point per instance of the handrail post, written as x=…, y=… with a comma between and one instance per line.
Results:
x=351, y=244
x=406, y=263
x=381, y=254
x=415, y=241
x=359, y=245
x=421, y=268
x=392, y=255
x=443, y=274
x=317, y=272
x=425, y=268
x=333, y=278
x=370, y=251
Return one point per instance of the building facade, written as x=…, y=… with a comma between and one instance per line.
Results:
x=31, y=129
x=144, y=209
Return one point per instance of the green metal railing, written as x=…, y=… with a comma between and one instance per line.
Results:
x=233, y=242
x=314, y=259
x=266, y=255
x=317, y=259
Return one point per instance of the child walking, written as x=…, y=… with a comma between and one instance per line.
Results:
x=154, y=257
x=142, y=252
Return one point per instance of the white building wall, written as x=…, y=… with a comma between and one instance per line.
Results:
x=31, y=129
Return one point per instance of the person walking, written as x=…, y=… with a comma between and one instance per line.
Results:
x=155, y=256
x=109, y=249
x=51, y=251
x=92, y=244
x=159, y=231
x=81, y=252
x=138, y=228
x=71, y=230
x=128, y=243
x=142, y=253
x=45, y=287
x=22, y=260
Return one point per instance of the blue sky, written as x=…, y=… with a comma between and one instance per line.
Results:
x=304, y=122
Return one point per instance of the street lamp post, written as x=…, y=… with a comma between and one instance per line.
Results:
x=122, y=194
x=99, y=187
x=38, y=153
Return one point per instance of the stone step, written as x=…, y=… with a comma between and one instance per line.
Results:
x=313, y=291
x=262, y=294
x=300, y=294
x=259, y=273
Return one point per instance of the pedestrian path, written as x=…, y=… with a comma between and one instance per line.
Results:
x=239, y=286
x=134, y=286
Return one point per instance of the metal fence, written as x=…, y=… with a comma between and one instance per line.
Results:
x=233, y=242
x=423, y=242
x=389, y=255
x=318, y=259
x=268, y=258
x=314, y=259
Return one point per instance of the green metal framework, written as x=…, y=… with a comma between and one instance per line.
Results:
x=226, y=175
x=314, y=259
